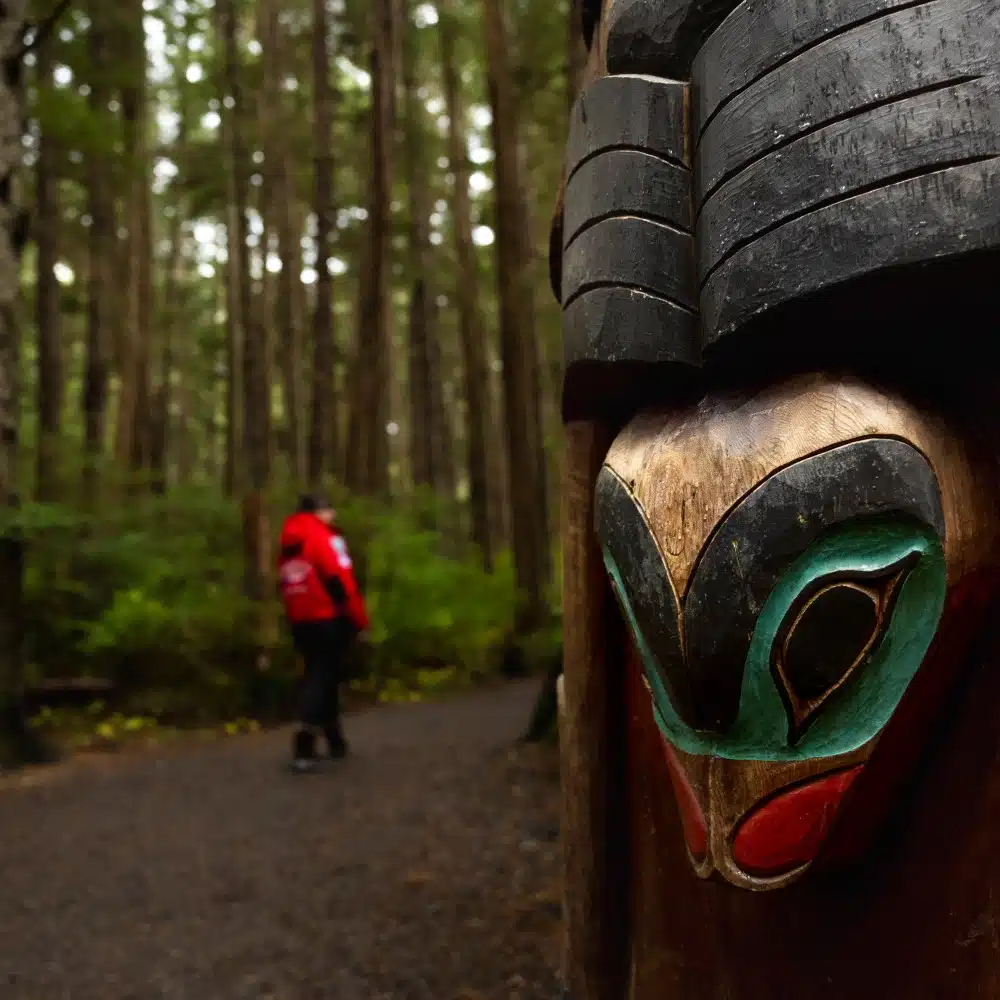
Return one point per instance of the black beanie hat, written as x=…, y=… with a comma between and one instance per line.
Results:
x=309, y=503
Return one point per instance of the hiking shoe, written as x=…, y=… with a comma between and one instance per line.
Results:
x=303, y=752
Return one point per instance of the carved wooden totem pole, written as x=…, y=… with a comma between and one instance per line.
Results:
x=776, y=252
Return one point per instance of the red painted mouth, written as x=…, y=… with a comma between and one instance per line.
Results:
x=692, y=818
x=788, y=830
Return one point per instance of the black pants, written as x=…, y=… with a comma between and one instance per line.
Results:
x=323, y=647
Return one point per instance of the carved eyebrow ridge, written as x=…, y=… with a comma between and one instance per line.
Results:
x=775, y=522
x=628, y=540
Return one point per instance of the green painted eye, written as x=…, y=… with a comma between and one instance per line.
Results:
x=826, y=641
x=792, y=707
x=827, y=637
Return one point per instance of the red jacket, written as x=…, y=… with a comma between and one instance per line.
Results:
x=315, y=573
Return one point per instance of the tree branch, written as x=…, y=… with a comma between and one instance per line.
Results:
x=44, y=29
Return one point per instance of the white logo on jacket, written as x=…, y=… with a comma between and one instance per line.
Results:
x=340, y=548
x=294, y=575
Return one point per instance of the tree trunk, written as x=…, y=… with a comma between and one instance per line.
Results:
x=232, y=477
x=101, y=248
x=422, y=422
x=170, y=310
x=289, y=334
x=132, y=431
x=516, y=321
x=237, y=278
x=324, y=437
x=256, y=394
x=368, y=468
x=539, y=396
x=169, y=316
x=14, y=734
x=442, y=435
x=280, y=193
x=50, y=366
x=477, y=392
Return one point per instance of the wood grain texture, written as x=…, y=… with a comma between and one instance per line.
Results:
x=592, y=740
x=761, y=34
x=593, y=69
x=647, y=256
x=640, y=582
x=627, y=182
x=615, y=325
x=950, y=213
x=813, y=454
x=724, y=790
x=627, y=267
x=867, y=145
x=729, y=791
x=779, y=519
x=922, y=134
x=661, y=38
x=880, y=60
x=688, y=467
x=630, y=112
x=916, y=919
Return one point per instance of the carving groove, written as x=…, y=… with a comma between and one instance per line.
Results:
x=722, y=36
x=848, y=115
x=931, y=168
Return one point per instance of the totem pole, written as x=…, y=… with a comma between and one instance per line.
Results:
x=776, y=250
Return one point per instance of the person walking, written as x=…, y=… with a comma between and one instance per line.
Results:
x=326, y=613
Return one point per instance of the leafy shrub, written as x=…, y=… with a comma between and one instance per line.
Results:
x=148, y=593
x=428, y=609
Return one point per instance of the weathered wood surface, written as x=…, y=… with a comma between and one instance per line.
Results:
x=876, y=148
x=757, y=539
x=882, y=60
x=649, y=256
x=641, y=583
x=762, y=34
x=845, y=171
x=662, y=38
x=730, y=525
x=626, y=273
x=868, y=143
x=623, y=347
x=917, y=918
x=836, y=150
x=628, y=182
x=629, y=112
x=949, y=213
x=595, y=849
x=733, y=442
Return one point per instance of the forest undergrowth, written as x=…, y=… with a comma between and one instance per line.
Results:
x=135, y=623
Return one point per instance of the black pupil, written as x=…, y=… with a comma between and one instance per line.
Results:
x=827, y=639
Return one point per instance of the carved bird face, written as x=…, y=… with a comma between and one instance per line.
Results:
x=784, y=562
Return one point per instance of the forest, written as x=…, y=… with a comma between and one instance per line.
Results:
x=268, y=246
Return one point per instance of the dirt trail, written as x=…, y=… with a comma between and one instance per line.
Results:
x=423, y=868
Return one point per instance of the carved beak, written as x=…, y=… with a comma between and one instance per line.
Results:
x=758, y=824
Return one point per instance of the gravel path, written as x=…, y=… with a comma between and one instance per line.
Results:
x=423, y=868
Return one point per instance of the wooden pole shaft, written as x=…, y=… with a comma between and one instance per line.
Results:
x=592, y=738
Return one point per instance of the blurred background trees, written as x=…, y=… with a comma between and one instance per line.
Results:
x=277, y=245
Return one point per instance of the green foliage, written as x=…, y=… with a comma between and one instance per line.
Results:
x=426, y=608
x=96, y=727
x=148, y=594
